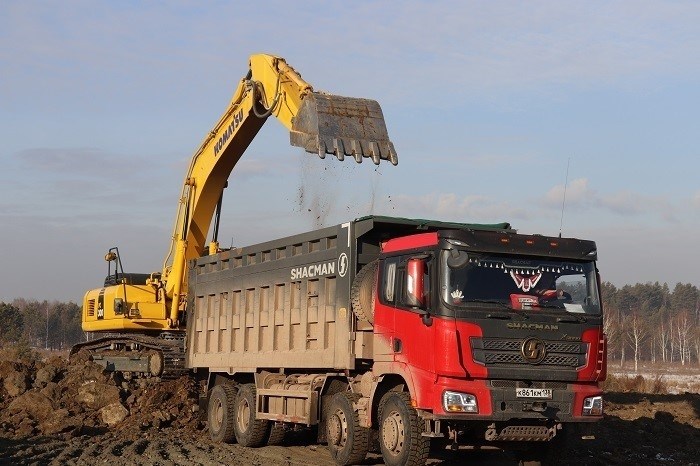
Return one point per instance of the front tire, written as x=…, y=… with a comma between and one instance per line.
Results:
x=400, y=431
x=250, y=432
x=220, y=413
x=348, y=442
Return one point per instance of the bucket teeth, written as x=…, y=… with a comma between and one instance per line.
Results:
x=332, y=124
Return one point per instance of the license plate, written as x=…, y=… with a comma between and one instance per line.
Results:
x=533, y=392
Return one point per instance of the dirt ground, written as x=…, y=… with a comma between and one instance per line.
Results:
x=56, y=413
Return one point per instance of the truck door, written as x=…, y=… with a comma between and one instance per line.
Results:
x=403, y=315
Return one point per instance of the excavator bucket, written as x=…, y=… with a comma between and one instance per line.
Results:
x=332, y=124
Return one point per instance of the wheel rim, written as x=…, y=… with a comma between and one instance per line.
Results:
x=393, y=435
x=243, y=415
x=338, y=429
x=218, y=418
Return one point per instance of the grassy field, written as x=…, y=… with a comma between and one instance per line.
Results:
x=658, y=378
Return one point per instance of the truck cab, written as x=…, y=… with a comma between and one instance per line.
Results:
x=494, y=333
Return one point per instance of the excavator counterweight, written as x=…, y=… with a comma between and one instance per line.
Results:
x=342, y=126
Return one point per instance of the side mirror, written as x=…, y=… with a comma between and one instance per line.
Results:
x=457, y=259
x=415, y=284
x=415, y=288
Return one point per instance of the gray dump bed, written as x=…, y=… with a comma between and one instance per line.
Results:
x=286, y=303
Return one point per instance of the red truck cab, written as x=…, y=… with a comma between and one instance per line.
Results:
x=495, y=333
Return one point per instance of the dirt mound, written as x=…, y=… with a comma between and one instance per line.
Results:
x=52, y=412
x=52, y=397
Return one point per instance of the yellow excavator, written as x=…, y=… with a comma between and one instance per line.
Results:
x=137, y=321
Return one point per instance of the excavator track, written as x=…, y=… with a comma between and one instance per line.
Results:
x=138, y=355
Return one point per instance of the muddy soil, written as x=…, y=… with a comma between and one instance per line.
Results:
x=56, y=413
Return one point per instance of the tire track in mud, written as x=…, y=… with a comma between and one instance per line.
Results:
x=172, y=448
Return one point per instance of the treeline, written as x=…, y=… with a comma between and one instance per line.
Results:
x=644, y=322
x=40, y=324
x=649, y=321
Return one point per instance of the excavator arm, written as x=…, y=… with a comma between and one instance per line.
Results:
x=318, y=122
x=136, y=317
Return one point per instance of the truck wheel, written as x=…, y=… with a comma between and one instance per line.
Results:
x=250, y=432
x=348, y=442
x=220, y=414
x=334, y=386
x=276, y=435
x=362, y=292
x=400, y=431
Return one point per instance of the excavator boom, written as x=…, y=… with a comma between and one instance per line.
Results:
x=320, y=123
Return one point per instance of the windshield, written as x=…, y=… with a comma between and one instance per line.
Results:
x=519, y=282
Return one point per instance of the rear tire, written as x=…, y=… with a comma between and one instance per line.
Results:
x=276, y=435
x=400, y=431
x=348, y=442
x=220, y=413
x=334, y=386
x=250, y=432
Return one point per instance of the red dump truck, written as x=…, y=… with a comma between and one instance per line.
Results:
x=401, y=333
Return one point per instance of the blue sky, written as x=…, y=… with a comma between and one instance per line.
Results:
x=103, y=103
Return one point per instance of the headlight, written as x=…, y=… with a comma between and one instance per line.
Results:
x=593, y=406
x=455, y=402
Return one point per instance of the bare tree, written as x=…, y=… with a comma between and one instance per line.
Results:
x=637, y=332
x=663, y=340
x=671, y=339
x=611, y=328
x=683, y=328
x=624, y=321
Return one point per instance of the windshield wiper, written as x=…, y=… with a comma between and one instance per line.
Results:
x=489, y=301
x=501, y=304
x=572, y=319
x=549, y=305
x=499, y=316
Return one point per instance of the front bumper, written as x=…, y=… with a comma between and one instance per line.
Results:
x=497, y=401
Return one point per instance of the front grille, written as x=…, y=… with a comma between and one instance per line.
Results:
x=507, y=352
x=502, y=345
x=515, y=358
x=497, y=344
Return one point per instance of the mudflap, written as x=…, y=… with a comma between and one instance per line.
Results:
x=342, y=126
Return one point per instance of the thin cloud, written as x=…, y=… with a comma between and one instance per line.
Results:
x=579, y=196
x=481, y=45
x=451, y=206
x=577, y=193
x=695, y=200
x=78, y=161
x=622, y=203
